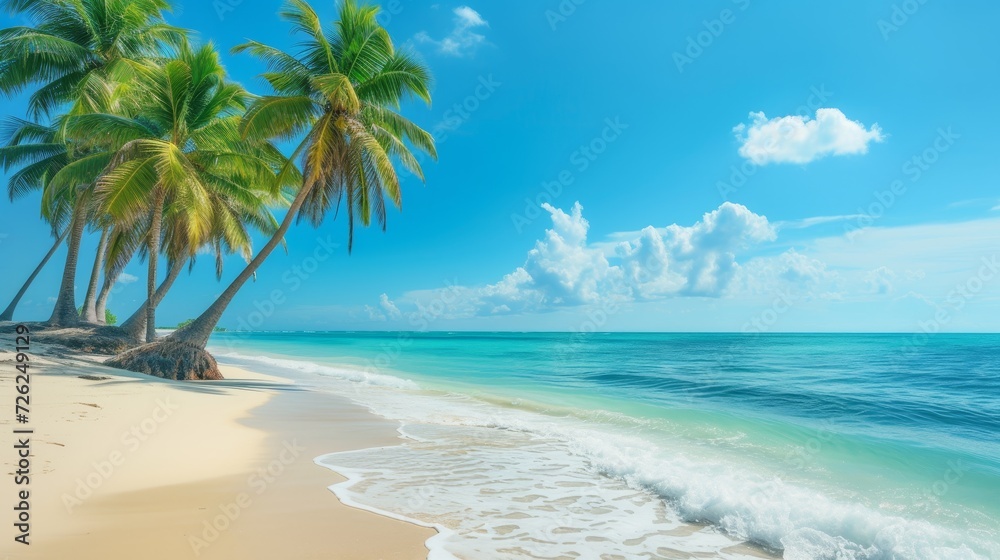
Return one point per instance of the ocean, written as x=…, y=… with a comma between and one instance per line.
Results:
x=606, y=446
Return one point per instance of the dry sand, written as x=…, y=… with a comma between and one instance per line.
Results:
x=132, y=467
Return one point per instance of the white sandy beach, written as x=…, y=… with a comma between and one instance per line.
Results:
x=129, y=466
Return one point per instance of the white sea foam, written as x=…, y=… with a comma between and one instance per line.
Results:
x=354, y=375
x=508, y=495
x=508, y=483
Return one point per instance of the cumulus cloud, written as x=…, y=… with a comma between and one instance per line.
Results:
x=729, y=252
x=800, y=139
x=374, y=314
x=388, y=307
x=791, y=271
x=126, y=278
x=385, y=311
x=565, y=269
x=463, y=39
x=880, y=281
x=699, y=260
x=561, y=270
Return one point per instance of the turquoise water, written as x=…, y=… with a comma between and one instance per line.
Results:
x=806, y=446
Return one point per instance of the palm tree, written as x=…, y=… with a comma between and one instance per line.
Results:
x=341, y=93
x=75, y=48
x=235, y=210
x=123, y=243
x=183, y=143
x=81, y=52
x=8, y=313
x=40, y=152
x=89, y=310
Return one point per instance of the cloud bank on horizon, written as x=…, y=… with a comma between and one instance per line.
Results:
x=730, y=253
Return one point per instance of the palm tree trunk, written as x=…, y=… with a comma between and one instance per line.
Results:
x=89, y=314
x=198, y=332
x=135, y=326
x=64, y=314
x=152, y=257
x=102, y=297
x=8, y=314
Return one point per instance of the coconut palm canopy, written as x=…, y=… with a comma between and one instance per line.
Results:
x=77, y=51
x=338, y=97
x=180, y=158
x=342, y=92
x=151, y=144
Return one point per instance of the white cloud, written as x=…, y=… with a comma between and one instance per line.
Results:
x=468, y=17
x=817, y=220
x=561, y=270
x=463, y=39
x=790, y=271
x=673, y=278
x=699, y=260
x=565, y=270
x=126, y=278
x=389, y=307
x=881, y=280
x=374, y=314
x=799, y=139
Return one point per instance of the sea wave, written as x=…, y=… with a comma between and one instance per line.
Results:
x=740, y=502
x=353, y=375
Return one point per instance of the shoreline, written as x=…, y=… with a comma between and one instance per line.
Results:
x=420, y=475
x=106, y=447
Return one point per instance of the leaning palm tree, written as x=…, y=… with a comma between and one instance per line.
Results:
x=183, y=143
x=88, y=313
x=80, y=53
x=123, y=243
x=8, y=312
x=237, y=209
x=340, y=95
x=39, y=152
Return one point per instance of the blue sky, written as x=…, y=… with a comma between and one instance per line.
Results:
x=717, y=165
